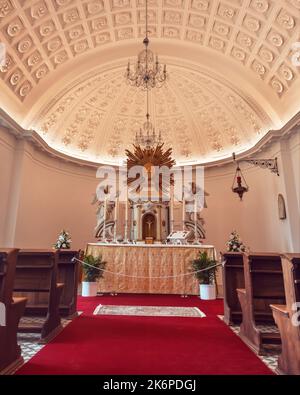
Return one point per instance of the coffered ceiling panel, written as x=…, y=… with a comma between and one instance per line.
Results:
x=202, y=113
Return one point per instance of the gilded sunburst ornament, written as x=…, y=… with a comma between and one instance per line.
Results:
x=149, y=158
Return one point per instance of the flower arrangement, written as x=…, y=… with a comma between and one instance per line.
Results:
x=235, y=243
x=64, y=240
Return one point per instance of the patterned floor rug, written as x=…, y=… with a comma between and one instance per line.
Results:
x=151, y=311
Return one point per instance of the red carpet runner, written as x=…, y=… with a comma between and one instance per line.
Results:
x=146, y=345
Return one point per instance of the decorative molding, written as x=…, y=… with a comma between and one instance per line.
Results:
x=293, y=126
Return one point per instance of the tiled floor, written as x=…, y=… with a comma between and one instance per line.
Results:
x=29, y=342
x=271, y=359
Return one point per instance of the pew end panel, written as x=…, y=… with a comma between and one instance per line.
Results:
x=287, y=316
x=10, y=351
x=36, y=277
x=263, y=286
x=248, y=332
x=52, y=324
x=68, y=273
x=233, y=278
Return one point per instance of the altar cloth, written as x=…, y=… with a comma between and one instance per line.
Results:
x=156, y=268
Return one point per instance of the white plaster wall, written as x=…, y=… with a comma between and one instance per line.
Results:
x=294, y=144
x=256, y=217
x=7, y=148
x=55, y=195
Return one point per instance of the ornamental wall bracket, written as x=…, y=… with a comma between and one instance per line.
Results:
x=270, y=164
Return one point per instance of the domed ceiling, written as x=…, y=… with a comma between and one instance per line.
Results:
x=230, y=63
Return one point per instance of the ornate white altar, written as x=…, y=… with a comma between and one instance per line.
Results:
x=144, y=219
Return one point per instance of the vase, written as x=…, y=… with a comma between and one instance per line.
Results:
x=89, y=288
x=208, y=291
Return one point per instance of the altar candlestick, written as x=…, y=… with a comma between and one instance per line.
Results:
x=126, y=210
x=116, y=218
x=172, y=209
x=126, y=217
x=183, y=213
x=116, y=209
x=104, y=219
x=195, y=218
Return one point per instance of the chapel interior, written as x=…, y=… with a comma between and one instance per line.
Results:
x=139, y=140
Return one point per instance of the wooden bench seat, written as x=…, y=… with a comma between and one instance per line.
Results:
x=263, y=287
x=10, y=352
x=36, y=277
x=287, y=316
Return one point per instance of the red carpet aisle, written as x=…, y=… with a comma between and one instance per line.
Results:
x=146, y=345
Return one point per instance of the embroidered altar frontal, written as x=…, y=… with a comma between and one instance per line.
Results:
x=156, y=269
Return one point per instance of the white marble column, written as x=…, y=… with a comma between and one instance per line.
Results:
x=183, y=214
x=139, y=223
x=158, y=226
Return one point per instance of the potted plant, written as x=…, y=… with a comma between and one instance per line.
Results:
x=92, y=271
x=207, y=278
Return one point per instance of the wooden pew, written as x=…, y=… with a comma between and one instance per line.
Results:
x=289, y=360
x=10, y=351
x=263, y=286
x=36, y=277
x=233, y=278
x=68, y=274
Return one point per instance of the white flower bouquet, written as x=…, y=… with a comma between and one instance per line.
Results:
x=64, y=240
x=235, y=243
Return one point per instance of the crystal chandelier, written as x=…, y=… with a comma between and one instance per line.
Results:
x=148, y=72
x=147, y=136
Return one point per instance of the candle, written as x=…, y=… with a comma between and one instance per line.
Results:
x=172, y=208
x=126, y=210
x=183, y=212
x=195, y=218
x=104, y=219
x=171, y=203
x=116, y=208
x=126, y=216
